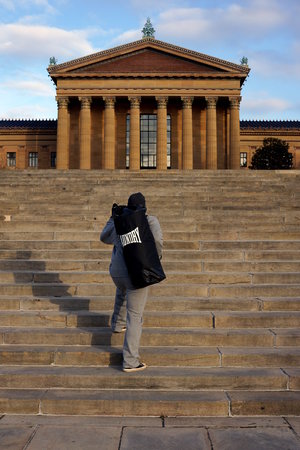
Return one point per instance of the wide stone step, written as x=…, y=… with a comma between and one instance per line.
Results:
x=281, y=304
x=101, y=319
x=247, y=403
x=204, y=246
x=260, y=319
x=163, y=289
x=30, y=246
x=208, y=221
x=104, y=303
x=87, y=189
x=112, y=402
x=74, y=222
x=274, y=290
x=59, y=290
x=205, y=337
x=149, y=402
x=92, y=266
x=171, y=198
x=172, y=277
x=251, y=245
x=252, y=267
x=24, y=251
x=276, y=278
x=24, y=255
x=153, y=356
x=272, y=255
x=246, y=246
x=171, y=193
x=260, y=357
x=106, y=356
x=169, y=236
x=192, y=378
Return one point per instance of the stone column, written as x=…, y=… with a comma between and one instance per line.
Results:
x=234, y=132
x=187, y=133
x=85, y=133
x=211, y=133
x=109, y=133
x=135, y=138
x=161, y=149
x=62, y=147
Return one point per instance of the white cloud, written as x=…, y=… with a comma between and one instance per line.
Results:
x=34, y=87
x=273, y=63
x=8, y=4
x=128, y=36
x=44, y=4
x=32, y=41
x=13, y=5
x=153, y=4
x=261, y=103
x=32, y=111
x=229, y=23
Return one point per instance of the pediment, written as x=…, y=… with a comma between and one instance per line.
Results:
x=145, y=57
x=147, y=61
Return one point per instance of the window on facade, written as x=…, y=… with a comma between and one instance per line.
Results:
x=11, y=159
x=33, y=159
x=148, y=136
x=53, y=160
x=243, y=159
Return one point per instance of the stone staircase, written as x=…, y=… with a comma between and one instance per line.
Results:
x=221, y=335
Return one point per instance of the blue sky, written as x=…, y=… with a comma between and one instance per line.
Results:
x=267, y=32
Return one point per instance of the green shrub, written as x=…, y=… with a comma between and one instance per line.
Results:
x=273, y=154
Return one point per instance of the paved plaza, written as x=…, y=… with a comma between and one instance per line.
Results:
x=153, y=433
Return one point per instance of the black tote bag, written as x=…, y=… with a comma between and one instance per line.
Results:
x=139, y=249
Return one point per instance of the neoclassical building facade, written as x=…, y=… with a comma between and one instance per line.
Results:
x=144, y=105
x=148, y=104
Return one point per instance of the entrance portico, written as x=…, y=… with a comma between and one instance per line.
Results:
x=193, y=97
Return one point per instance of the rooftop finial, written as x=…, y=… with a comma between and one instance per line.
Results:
x=244, y=61
x=148, y=30
x=52, y=61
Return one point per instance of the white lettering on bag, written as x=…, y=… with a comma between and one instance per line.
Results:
x=133, y=237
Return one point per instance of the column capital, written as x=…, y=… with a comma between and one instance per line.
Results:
x=235, y=102
x=62, y=102
x=187, y=102
x=161, y=102
x=85, y=102
x=134, y=102
x=109, y=102
x=211, y=102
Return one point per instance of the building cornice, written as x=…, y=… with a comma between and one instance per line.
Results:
x=149, y=75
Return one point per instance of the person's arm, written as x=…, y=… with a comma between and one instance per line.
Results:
x=157, y=233
x=108, y=234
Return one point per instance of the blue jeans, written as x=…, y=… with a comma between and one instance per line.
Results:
x=128, y=311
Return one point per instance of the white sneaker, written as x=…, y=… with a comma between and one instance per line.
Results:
x=121, y=331
x=141, y=366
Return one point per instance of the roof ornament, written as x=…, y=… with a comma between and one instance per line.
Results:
x=148, y=30
x=52, y=61
x=244, y=61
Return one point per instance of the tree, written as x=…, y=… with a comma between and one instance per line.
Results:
x=273, y=154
